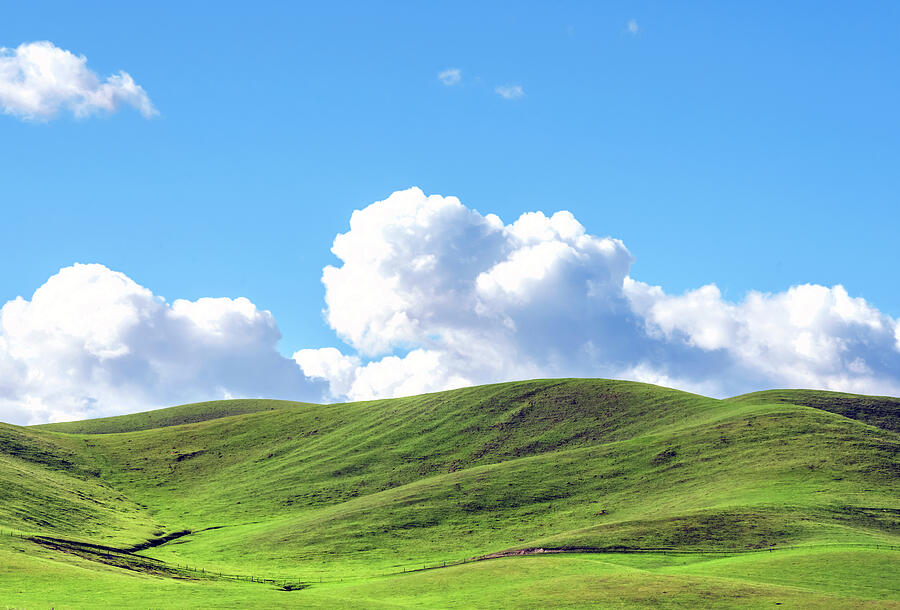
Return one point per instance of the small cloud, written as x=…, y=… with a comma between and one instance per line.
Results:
x=632, y=27
x=510, y=92
x=38, y=80
x=450, y=76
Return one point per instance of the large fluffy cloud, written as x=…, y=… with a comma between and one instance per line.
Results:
x=38, y=80
x=92, y=342
x=809, y=336
x=474, y=299
x=431, y=295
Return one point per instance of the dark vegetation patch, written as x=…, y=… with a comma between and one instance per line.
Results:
x=186, y=456
x=158, y=541
x=126, y=559
x=737, y=530
x=884, y=518
x=664, y=457
x=109, y=555
x=16, y=442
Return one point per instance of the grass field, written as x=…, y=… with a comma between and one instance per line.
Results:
x=661, y=497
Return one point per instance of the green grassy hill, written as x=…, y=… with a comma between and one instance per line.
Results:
x=173, y=416
x=880, y=411
x=659, y=497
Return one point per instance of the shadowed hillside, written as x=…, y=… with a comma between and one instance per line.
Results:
x=881, y=411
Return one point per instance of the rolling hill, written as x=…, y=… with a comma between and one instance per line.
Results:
x=581, y=491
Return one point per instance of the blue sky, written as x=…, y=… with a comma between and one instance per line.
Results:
x=753, y=146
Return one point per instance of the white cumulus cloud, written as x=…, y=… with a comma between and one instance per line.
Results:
x=471, y=298
x=450, y=76
x=429, y=294
x=432, y=295
x=38, y=80
x=808, y=336
x=92, y=342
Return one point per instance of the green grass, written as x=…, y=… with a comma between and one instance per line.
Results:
x=880, y=411
x=173, y=416
x=33, y=579
x=351, y=494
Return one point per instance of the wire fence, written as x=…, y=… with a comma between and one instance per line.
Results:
x=129, y=560
x=642, y=550
x=122, y=558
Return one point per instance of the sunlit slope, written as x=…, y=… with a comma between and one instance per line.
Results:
x=757, y=478
x=826, y=578
x=45, y=487
x=362, y=489
x=881, y=411
x=353, y=488
x=295, y=458
x=172, y=416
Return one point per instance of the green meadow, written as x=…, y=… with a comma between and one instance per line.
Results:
x=564, y=493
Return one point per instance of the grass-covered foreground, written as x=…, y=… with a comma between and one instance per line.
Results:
x=657, y=497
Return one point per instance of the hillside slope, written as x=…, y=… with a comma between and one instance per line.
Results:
x=880, y=411
x=171, y=416
x=358, y=490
